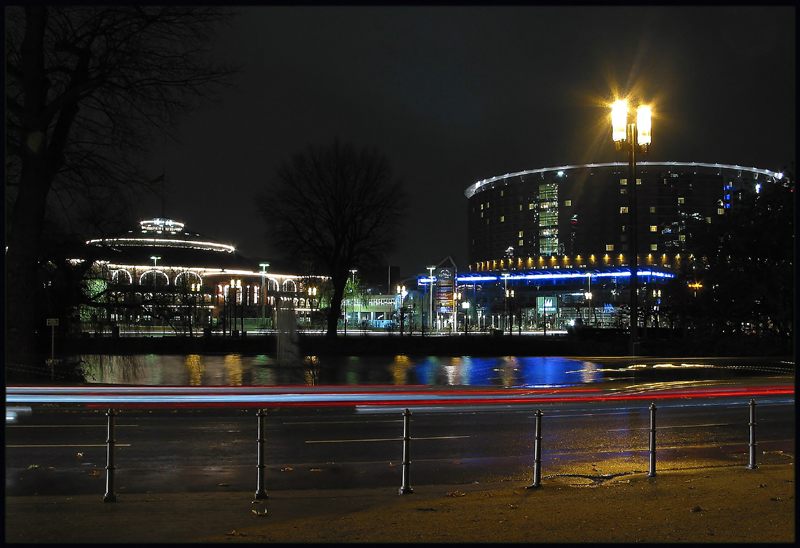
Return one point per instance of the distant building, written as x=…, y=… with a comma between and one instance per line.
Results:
x=549, y=248
x=162, y=278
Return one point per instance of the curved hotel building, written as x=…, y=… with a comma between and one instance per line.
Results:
x=558, y=238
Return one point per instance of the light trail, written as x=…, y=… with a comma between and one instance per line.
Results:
x=153, y=397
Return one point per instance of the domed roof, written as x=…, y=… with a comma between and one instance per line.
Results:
x=172, y=245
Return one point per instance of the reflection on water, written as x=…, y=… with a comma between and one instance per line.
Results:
x=505, y=371
x=233, y=368
x=194, y=365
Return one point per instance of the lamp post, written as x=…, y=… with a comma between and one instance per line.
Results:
x=352, y=290
x=312, y=293
x=457, y=296
x=505, y=302
x=632, y=135
x=465, y=306
x=264, y=267
x=401, y=292
x=430, y=297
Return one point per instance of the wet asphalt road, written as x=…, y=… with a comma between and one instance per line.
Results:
x=61, y=450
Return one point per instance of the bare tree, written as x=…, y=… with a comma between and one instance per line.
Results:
x=86, y=87
x=336, y=205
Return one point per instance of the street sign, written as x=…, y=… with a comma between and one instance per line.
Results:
x=52, y=321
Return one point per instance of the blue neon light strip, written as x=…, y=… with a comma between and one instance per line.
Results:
x=555, y=276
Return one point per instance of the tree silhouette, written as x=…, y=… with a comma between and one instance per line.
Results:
x=86, y=87
x=336, y=205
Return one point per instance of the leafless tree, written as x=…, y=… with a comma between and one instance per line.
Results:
x=86, y=88
x=337, y=205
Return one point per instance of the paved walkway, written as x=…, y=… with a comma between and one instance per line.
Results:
x=711, y=504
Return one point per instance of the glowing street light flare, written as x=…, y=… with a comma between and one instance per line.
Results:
x=644, y=124
x=619, y=119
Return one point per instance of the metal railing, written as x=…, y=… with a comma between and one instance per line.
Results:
x=405, y=487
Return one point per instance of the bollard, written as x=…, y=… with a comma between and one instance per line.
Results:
x=260, y=491
x=110, y=496
x=405, y=488
x=652, y=471
x=752, y=460
x=537, y=452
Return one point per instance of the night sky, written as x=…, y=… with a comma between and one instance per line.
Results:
x=452, y=95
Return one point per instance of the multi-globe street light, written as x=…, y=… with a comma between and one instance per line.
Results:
x=632, y=133
x=264, y=267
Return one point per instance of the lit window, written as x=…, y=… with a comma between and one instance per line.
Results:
x=623, y=191
x=653, y=228
x=481, y=207
x=708, y=220
x=653, y=247
x=481, y=214
x=487, y=205
x=530, y=205
x=521, y=242
x=567, y=203
x=652, y=209
x=623, y=182
x=502, y=218
x=502, y=193
x=520, y=233
x=638, y=182
x=623, y=209
x=681, y=200
x=720, y=211
x=520, y=207
x=609, y=247
x=682, y=237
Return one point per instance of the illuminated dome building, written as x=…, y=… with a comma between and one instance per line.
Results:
x=558, y=237
x=162, y=277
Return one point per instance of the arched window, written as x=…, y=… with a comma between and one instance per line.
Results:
x=186, y=278
x=272, y=285
x=155, y=278
x=289, y=285
x=121, y=277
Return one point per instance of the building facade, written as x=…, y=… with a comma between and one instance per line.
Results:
x=550, y=247
x=161, y=278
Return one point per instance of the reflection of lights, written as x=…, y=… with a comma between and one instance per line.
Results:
x=399, y=368
x=194, y=365
x=589, y=372
x=233, y=369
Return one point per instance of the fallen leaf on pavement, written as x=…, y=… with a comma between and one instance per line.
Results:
x=259, y=514
x=456, y=494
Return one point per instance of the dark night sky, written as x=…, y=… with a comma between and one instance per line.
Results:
x=452, y=95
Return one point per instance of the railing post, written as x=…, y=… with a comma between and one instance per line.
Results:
x=652, y=470
x=537, y=452
x=110, y=496
x=405, y=488
x=751, y=464
x=260, y=491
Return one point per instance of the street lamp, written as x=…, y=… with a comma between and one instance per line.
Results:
x=401, y=292
x=264, y=267
x=155, y=260
x=430, y=297
x=588, y=297
x=632, y=134
x=505, y=302
x=465, y=306
x=312, y=293
x=352, y=283
x=457, y=295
